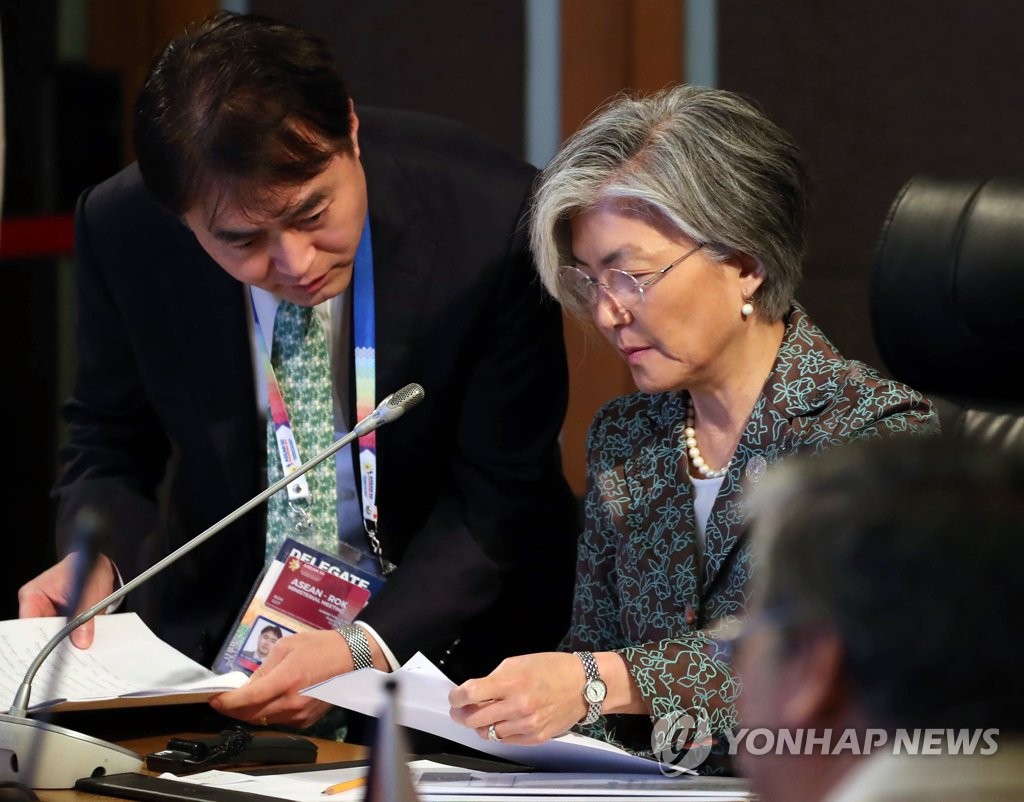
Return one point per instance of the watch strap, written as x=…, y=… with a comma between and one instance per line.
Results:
x=592, y=674
x=358, y=644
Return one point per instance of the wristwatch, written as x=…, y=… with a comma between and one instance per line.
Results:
x=358, y=644
x=594, y=691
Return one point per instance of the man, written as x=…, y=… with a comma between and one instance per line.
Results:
x=252, y=658
x=883, y=655
x=265, y=185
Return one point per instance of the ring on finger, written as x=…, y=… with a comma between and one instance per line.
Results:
x=264, y=721
x=492, y=734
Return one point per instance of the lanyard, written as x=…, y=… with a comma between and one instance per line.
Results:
x=365, y=342
x=287, y=448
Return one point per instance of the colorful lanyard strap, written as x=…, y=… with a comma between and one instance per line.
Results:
x=365, y=341
x=287, y=448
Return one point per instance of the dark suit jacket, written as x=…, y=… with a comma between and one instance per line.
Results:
x=164, y=437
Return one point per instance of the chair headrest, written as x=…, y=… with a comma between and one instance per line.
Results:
x=947, y=288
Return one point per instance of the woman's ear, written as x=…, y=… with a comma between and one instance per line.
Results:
x=750, y=272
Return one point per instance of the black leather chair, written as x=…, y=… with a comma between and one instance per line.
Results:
x=947, y=302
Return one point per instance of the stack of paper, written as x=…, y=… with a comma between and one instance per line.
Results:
x=127, y=666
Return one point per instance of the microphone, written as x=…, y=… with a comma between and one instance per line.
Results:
x=61, y=756
x=390, y=409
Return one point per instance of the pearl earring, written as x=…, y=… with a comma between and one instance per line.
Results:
x=747, y=309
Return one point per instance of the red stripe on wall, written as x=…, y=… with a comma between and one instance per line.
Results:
x=30, y=237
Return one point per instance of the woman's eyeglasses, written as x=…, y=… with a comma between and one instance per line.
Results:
x=624, y=288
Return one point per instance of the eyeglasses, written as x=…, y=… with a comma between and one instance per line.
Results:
x=624, y=288
x=728, y=638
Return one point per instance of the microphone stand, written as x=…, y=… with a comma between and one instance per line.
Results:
x=64, y=755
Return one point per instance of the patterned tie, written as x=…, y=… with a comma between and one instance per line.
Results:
x=302, y=365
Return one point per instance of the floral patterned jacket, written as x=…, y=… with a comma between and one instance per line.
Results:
x=642, y=587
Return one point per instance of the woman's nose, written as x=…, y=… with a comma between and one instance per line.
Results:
x=607, y=312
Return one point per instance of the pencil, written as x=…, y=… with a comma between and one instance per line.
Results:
x=347, y=785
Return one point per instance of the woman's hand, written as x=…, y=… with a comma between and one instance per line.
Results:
x=529, y=699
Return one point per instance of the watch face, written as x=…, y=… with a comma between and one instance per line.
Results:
x=595, y=691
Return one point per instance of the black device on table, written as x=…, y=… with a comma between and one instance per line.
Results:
x=233, y=747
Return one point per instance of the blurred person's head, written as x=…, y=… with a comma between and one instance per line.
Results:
x=244, y=128
x=887, y=598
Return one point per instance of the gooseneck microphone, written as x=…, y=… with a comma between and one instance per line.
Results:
x=61, y=756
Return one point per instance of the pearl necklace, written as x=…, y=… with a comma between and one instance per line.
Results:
x=696, y=460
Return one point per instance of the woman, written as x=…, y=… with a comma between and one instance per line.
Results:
x=676, y=224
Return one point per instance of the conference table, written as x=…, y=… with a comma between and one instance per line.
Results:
x=145, y=741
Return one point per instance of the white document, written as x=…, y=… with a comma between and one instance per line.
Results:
x=423, y=705
x=309, y=786
x=444, y=783
x=306, y=786
x=127, y=666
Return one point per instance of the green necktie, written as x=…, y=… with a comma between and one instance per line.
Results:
x=302, y=365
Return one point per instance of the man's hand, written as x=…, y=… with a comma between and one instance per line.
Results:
x=272, y=694
x=48, y=594
x=529, y=699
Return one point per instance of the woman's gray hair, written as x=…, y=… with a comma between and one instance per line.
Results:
x=706, y=160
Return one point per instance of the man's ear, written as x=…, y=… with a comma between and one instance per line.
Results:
x=814, y=685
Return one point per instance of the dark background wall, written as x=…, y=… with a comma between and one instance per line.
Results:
x=876, y=92
x=28, y=326
x=61, y=130
x=462, y=59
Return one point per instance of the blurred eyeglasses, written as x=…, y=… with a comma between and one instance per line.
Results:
x=727, y=637
x=624, y=288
